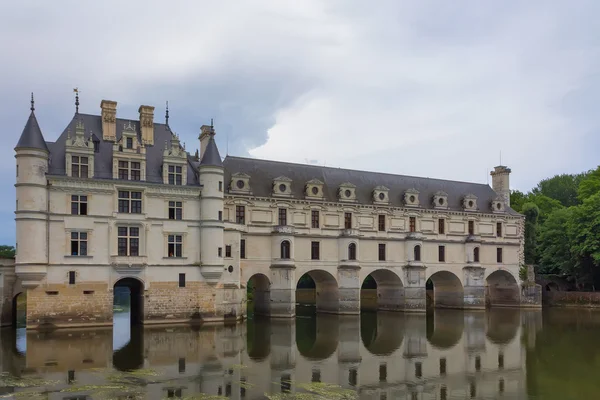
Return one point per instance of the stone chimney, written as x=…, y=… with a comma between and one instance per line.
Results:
x=205, y=132
x=501, y=182
x=147, y=124
x=109, y=119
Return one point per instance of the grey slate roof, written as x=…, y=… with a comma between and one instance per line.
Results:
x=103, y=158
x=263, y=172
x=32, y=137
x=211, y=156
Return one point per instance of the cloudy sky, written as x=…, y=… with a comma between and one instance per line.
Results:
x=427, y=88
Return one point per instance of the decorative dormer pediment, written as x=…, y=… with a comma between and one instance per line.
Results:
x=498, y=204
x=347, y=192
x=129, y=155
x=411, y=198
x=314, y=189
x=440, y=200
x=282, y=186
x=175, y=149
x=470, y=202
x=381, y=195
x=79, y=153
x=129, y=142
x=240, y=183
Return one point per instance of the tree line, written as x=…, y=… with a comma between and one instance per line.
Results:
x=562, y=227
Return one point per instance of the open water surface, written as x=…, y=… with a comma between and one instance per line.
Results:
x=497, y=354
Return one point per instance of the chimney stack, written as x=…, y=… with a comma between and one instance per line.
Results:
x=205, y=132
x=109, y=120
x=147, y=124
x=501, y=182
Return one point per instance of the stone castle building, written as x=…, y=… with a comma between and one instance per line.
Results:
x=119, y=202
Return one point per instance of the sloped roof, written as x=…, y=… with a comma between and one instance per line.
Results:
x=103, y=158
x=263, y=172
x=211, y=156
x=32, y=137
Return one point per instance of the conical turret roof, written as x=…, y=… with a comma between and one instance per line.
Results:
x=211, y=156
x=32, y=137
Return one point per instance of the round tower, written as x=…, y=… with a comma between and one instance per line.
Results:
x=32, y=156
x=211, y=208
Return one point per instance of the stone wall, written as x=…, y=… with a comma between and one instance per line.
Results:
x=572, y=299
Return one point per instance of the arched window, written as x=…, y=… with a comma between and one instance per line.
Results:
x=476, y=254
x=352, y=251
x=417, y=253
x=285, y=250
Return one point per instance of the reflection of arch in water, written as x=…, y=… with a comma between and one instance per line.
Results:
x=502, y=324
x=382, y=333
x=12, y=358
x=259, y=291
x=317, y=336
x=387, y=289
x=447, y=290
x=258, y=338
x=136, y=298
x=131, y=356
x=502, y=289
x=326, y=290
x=445, y=328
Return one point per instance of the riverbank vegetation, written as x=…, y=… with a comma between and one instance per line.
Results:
x=562, y=228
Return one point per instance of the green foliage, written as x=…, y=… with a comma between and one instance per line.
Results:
x=553, y=245
x=562, y=188
x=523, y=275
x=517, y=199
x=531, y=212
x=589, y=185
x=584, y=229
x=7, y=251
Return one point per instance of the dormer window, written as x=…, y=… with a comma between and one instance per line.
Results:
x=411, y=197
x=498, y=205
x=282, y=186
x=130, y=170
x=314, y=189
x=130, y=143
x=470, y=202
x=347, y=192
x=240, y=183
x=440, y=200
x=79, y=167
x=381, y=195
x=175, y=175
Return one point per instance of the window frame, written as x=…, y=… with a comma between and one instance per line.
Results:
x=347, y=220
x=315, y=250
x=441, y=226
x=352, y=251
x=282, y=216
x=126, y=204
x=471, y=227
x=79, y=203
x=499, y=255
x=499, y=229
x=78, y=165
x=227, y=251
x=285, y=250
x=79, y=238
x=243, y=249
x=441, y=253
x=240, y=214
x=315, y=219
x=129, y=239
x=175, y=174
x=181, y=280
x=381, y=252
x=412, y=224
x=177, y=210
x=417, y=252
x=476, y=254
x=381, y=223
x=175, y=245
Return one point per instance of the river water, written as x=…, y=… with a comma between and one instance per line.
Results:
x=448, y=354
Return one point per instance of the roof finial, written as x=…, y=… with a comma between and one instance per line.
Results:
x=167, y=114
x=76, y=90
x=32, y=103
x=211, y=123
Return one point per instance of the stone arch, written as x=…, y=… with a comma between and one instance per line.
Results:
x=382, y=333
x=502, y=324
x=136, y=297
x=285, y=250
x=327, y=297
x=19, y=309
x=445, y=328
x=317, y=337
x=502, y=289
x=388, y=291
x=447, y=290
x=259, y=293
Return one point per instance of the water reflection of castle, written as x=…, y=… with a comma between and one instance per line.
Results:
x=383, y=356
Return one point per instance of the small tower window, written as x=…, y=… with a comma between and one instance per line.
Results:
x=499, y=254
x=130, y=143
x=79, y=167
x=417, y=253
x=314, y=219
x=348, y=220
x=471, y=227
x=381, y=223
x=282, y=217
x=412, y=224
x=441, y=226
x=352, y=251
x=174, y=244
x=381, y=249
x=175, y=175
x=285, y=250
x=499, y=229
x=476, y=254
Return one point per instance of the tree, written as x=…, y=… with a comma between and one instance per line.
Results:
x=553, y=244
x=545, y=205
x=584, y=230
x=589, y=185
x=517, y=199
x=531, y=212
x=7, y=251
x=562, y=188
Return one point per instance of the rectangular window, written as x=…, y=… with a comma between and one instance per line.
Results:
x=175, y=175
x=282, y=217
x=347, y=220
x=220, y=186
x=123, y=170
x=71, y=277
x=478, y=363
x=441, y=226
x=79, y=243
x=220, y=216
x=182, y=360
x=220, y=252
x=353, y=376
x=240, y=215
x=442, y=253
x=499, y=229
x=412, y=221
x=79, y=167
x=228, y=251
x=471, y=227
x=130, y=202
x=129, y=143
x=314, y=250
x=500, y=361
x=499, y=254
x=181, y=280
x=175, y=245
x=78, y=205
x=381, y=252
x=136, y=171
x=130, y=170
x=442, y=366
x=175, y=210
x=382, y=223
x=243, y=248
x=418, y=370
x=316, y=375
x=314, y=218
x=382, y=372
x=128, y=241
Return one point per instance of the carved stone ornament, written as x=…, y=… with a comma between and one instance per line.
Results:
x=411, y=197
x=440, y=200
x=470, y=202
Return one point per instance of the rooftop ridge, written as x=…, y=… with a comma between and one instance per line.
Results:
x=354, y=170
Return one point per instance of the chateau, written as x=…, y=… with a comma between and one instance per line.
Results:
x=120, y=202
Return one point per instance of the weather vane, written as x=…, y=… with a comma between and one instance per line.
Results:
x=76, y=90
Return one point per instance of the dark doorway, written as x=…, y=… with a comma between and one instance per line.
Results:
x=128, y=301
